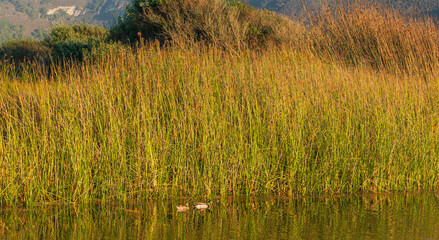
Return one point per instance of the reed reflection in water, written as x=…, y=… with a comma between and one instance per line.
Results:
x=397, y=216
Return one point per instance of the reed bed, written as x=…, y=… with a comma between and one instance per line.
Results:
x=198, y=120
x=377, y=36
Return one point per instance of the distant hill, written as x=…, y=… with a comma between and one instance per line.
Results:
x=19, y=18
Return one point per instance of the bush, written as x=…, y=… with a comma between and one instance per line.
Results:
x=72, y=41
x=82, y=32
x=68, y=41
x=70, y=49
x=24, y=50
x=225, y=23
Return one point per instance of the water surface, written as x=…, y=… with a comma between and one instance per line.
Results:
x=396, y=216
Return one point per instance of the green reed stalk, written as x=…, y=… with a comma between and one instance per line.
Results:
x=201, y=121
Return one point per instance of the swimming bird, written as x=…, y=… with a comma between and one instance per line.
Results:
x=183, y=208
x=201, y=205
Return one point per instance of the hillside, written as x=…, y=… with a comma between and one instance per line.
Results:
x=19, y=18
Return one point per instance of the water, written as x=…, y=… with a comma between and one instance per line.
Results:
x=396, y=216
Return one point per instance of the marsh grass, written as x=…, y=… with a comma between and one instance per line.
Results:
x=383, y=38
x=198, y=120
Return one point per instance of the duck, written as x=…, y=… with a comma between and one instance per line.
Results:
x=183, y=208
x=201, y=205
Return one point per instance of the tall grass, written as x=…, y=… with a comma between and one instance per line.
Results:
x=383, y=38
x=198, y=120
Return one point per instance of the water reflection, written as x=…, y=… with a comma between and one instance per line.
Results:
x=401, y=216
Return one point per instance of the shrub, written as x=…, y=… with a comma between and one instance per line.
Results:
x=67, y=41
x=81, y=32
x=70, y=49
x=24, y=50
x=72, y=41
x=225, y=23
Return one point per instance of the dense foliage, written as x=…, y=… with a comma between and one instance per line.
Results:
x=62, y=42
x=74, y=41
x=25, y=50
x=224, y=23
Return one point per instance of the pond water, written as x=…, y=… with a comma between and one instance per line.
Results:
x=395, y=216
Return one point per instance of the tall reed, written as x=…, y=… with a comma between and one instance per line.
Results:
x=195, y=120
x=201, y=121
x=381, y=37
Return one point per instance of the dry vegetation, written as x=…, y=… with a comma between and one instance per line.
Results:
x=378, y=37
